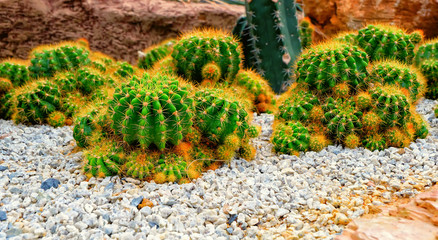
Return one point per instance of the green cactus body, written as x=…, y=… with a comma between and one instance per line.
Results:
x=50, y=60
x=173, y=167
x=420, y=125
x=104, y=160
x=384, y=41
x=66, y=82
x=318, y=142
x=436, y=111
x=247, y=152
x=363, y=101
x=36, y=102
x=243, y=33
x=298, y=107
x=391, y=105
x=402, y=75
x=429, y=68
x=374, y=142
x=83, y=130
x=7, y=104
x=140, y=166
x=88, y=79
x=5, y=85
x=72, y=103
x=306, y=31
x=371, y=122
x=324, y=66
x=15, y=71
x=428, y=50
x=219, y=115
x=342, y=117
x=152, y=110
x=56, y=119
x=273, y=27
x=92, y=117
x=396, y=138
x=196, y=49
x=153, y=54
x=124, y=70
x=352, y=141
x=291, y=138
x=346, y=37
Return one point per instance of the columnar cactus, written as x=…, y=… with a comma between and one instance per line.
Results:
x=46, y=61
x=391, y=105
x=273, y=39
x=36, y=101
x=402, y=75
x=384, y=41
x=298, y=107
x=324, y=66
x=14, y=70
x=196, y=49
x=306, y=31
x=153, y=54
x=218, y=115
x=291, y=138
x=152, y=110
x=342, y=117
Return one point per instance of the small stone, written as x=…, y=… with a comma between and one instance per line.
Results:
x=110, y=186
x=230, y=230
x=49, y=183
x=136, y=201
x=145, y=203
x=281, y=212
x=253, y=222
x=3, y=216
x=3, y=168
x=154, y=224
x=88, y=208
x=232, y=218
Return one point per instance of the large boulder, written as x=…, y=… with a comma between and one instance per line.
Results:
x=116, y=27
x=336, y=15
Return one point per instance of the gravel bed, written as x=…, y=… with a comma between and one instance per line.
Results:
x=272, y=197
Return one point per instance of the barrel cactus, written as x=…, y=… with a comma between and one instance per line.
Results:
x=153, y=54
x=291, y=138
x=16, y=71
x=427, y=50
x=342, y=117
x=429, y=68
x=298, y=107
x=391, y=105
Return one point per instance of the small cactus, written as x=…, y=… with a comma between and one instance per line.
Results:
x=396, y=138
x=140, y=165
x=317, y=142
x=341, y=117
x=429, y=68
x=363, y=101
x=391, y=105
x=352, y=141
x=374, y=142
x=298, y=107
x=371, y=122
x=153, y=54
x=104, y=159
x=247, y=152
x=427, y=50
x=16, y=71
x=196, y=49
x=56, y=119
x=306, y=31
x=291, y=138
x=5, y=85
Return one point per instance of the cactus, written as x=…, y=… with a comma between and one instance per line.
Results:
x=196, y=49
x=324, y=66
x=384, y=41
x=242, y=32
x=402, y=75
x=429, y=68
x=352, y=141
x=140, y=165
x=258, y=87
x=391, y=105
x=92, y=117
x=7, y=104
x=211, y=72
x=104, y=159
x=298, y=107
x=56, y=119
x=274, y=39
x=46, y=61
x=420, y=125
x=428, y=50
x=317, y=142
x=290, y=138
x=374, y=142
x=72, y=103
x=371, y=122
x=346, y=37
x=16, y=71
x=5, y=85
x=152, y=110
x=247, y=152
x=173, y=167
x=342, y=117
x=88, y=79
x=396, y=138
x=153, y=54
x=436, y=111
x=363, y=100
x=124, y=70
x=36, y=101
x=219, y=114
x=165, y=66
x=306, y=31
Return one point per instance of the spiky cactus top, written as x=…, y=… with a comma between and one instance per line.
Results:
x=384, y=41
x=218, y=116
x=327, y=65
x=153, y=54
x=298, y=107
x=291, y=138
x=47, y=60
x=152, y=110
x=341, y=117
x=430, y=70
x=404, y=76
x=14, y=70
x=428, y=50
x=196, y=49
x=392, y=105
x=306, y=31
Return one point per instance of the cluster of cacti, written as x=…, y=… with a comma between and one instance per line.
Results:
x=150, y=56
x=384, y=41
x=306, y=31
x=270, y=39
x=195, y=51
x=427, y=60
x=15, y=71
x=406, y=77
x=353, y=97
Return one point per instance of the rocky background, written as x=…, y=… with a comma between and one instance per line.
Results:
x=116, y=27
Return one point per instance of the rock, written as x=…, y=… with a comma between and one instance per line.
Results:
x=335, y=15
x=3, y=216
x=136, y=201
x=117, y=28
x=3, y=168
x=232, y=218
x=49, y=183
x=145, y=203
x=281, y=212
x=110, y=186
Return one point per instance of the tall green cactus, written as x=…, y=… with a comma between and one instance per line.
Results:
x=273, y=39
